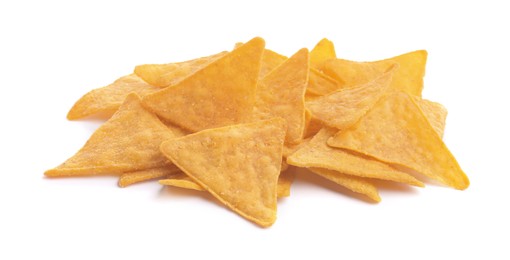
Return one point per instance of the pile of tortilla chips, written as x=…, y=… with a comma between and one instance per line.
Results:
x=232, y=123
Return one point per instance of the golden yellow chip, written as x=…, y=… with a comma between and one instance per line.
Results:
x=397, y=132
x=238, y=164
x=181, y=180
x=282, y=94
x=164, y=75
x=220, y=94
x=353, y=183
x=435, y=114
x=408, y=78
x=343, y=108
x=106, y=100
x=316, y=153
x=128, y=141
x=129, y=178
x=323, y=51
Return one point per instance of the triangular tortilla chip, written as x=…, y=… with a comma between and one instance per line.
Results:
x=129, y=178
x=343, y=108
x=282, y=94
x=181, y=180
x=408, y=78
x=128, y=141
x=106, y=100
x=396, y=131
x=323, y=51
x=238, y=164
x=353, y=183
x=435, y=114
x=316, y=153
x=220, y=94
x=164, y=75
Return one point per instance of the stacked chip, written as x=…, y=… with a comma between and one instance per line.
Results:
x=231, y=123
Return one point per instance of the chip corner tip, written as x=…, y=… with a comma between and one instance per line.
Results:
x=50, y=173
x=267, y=223
x=257, y=40
x=122, y=184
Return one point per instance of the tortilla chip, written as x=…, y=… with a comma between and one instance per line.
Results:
x=343, y=108
x=128, y=141
x=164, y=75
x=353, y=183
x=397, y=132
x=220, y=94
x=318, y=154
x=181, y=180
x=282, y=94
x=408, y=78
x=435, y=114
x=106, y=100
x=323, y=51
x=129, y=178
x=238, y=164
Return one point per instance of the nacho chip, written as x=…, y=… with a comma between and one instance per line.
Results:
x=220, y=94
x=282, y=94
x=397, y=132
x=408, y=78
x=128, y=141
x=129, y=178
x=435, y=114
x=353, y=183
x=164, y=75
x=318, y=154
x=323, y=51
x=106, y=100
x=181, y=180
x=343, y=108
x=238, y=164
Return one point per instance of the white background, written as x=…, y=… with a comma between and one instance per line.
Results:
x=52, y=52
